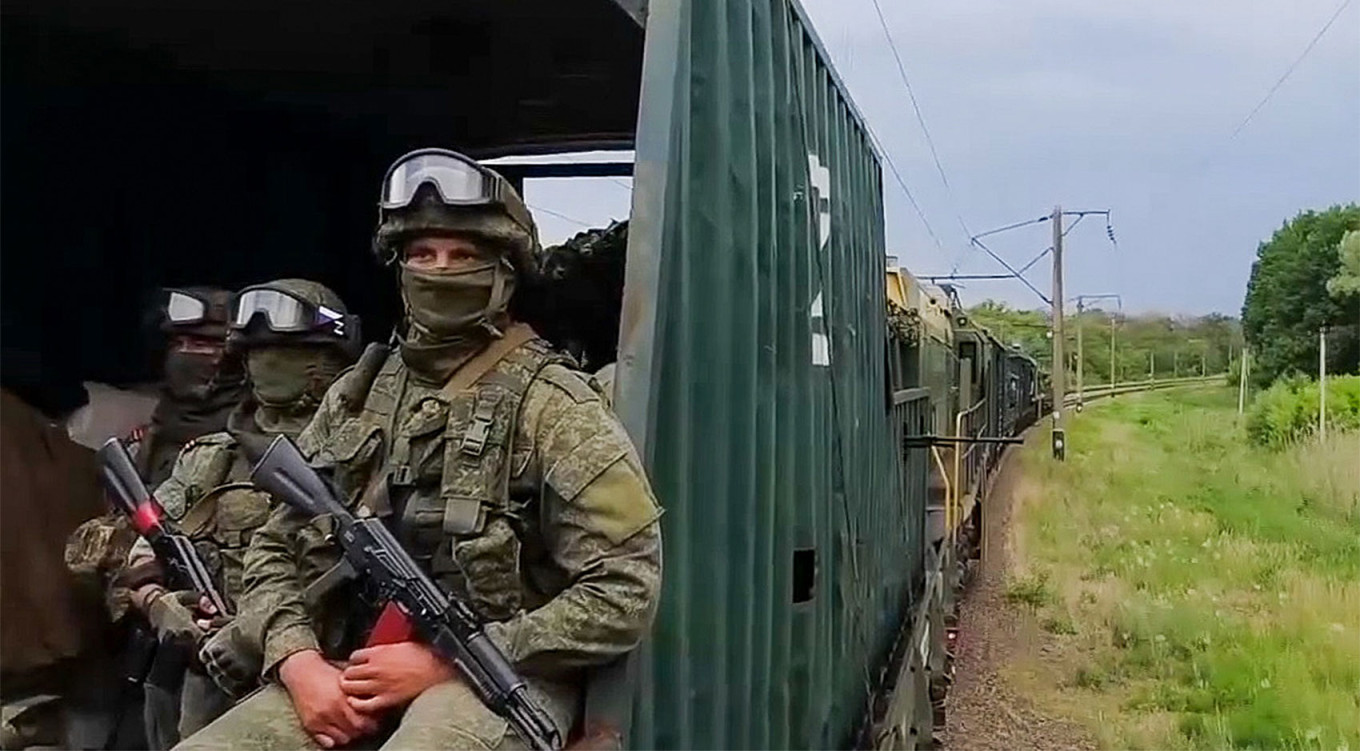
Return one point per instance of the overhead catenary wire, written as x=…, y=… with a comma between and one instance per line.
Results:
x=559, y=215
x=901, y=183
x=1290, y=70
x=920, y=117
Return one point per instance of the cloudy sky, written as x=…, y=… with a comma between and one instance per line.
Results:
x=1129, y=106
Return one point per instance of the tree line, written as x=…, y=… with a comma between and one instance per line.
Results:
x=1148, y=345
x=1305, y=284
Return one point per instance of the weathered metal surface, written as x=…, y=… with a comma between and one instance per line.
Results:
x=752, y=372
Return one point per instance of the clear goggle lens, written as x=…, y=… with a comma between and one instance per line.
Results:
x=458, y=180
x=282, y=312
x=184, y=309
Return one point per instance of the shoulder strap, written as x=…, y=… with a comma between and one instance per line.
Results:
x=486, y=360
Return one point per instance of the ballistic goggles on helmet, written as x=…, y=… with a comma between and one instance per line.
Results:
x=184, y=308
x=284, y=313
x=459, y=181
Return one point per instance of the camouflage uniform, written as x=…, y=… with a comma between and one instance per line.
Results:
x=208, y=494
x=517, y=489
x=196, y=398
x=197, y=395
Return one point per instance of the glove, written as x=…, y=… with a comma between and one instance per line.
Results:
x=232, y=659
x=173, y=616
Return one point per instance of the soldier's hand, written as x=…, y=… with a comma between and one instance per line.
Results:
x=207, y=616
x=172, y=615
x=391, y=675
x=314, y=686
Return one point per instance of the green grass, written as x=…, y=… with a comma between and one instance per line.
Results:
x=1197, y=577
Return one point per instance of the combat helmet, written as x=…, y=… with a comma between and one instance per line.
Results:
x=292, y=311
x=440, y=191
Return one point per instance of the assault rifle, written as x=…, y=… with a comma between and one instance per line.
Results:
x=171, y=545
x=446, y=623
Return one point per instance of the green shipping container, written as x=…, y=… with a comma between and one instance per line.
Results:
x=752, y=374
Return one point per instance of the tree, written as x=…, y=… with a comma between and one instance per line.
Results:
x=1287, y=300
x=1346, y=282
x=1142, y=341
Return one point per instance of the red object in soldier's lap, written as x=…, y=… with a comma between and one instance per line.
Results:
x=392, y=627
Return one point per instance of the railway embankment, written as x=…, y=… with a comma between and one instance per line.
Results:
x=1171, y=585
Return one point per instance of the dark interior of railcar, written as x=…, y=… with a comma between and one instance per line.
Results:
x=148, y=144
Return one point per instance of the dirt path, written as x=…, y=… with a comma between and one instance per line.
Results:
x=985, y=711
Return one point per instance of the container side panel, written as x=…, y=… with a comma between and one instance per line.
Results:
x=793, y=528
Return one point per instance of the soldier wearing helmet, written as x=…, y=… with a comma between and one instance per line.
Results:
x=203, y=382
x=497, y=465
x=295, y=337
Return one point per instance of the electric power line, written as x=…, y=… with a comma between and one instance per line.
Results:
x=559, y=215
x=920, y=117
x=902, y=183
x=1288, y=72
x=925, y=130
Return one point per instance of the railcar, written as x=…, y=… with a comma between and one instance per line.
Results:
x=792, y=421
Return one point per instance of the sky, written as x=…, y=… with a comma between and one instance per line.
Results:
x=1092, y=105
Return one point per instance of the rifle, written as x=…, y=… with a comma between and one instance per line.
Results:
x=171, y=545
x=446, y=623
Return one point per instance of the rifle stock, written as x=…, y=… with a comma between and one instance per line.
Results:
x=284, y=473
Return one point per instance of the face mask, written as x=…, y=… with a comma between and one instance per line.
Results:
x=448, y=304
x=289, y=376
x=189, y=377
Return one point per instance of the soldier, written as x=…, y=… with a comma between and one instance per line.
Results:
x=203, y=382
x=295, y=337
x=499, y=468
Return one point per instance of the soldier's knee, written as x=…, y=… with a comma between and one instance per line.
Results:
x=263, y=721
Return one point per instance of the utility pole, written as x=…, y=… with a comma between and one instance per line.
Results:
x=1081, y=350
x=1322, y=383
x=1175, y=364
x=1059, y=362
x=1113, y=379
x=1152, y=365
x=1056, y=301
x=1081, y=356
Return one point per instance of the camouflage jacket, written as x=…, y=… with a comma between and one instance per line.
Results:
x=546, y=523
x=211, y=498
x=97, y=551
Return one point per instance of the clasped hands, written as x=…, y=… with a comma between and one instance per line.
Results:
x=341, y=703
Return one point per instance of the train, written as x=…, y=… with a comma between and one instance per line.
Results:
x=820, y=426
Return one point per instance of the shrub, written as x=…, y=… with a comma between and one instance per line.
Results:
x=1288, y=410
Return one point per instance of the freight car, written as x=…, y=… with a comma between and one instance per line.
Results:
x=798, y=436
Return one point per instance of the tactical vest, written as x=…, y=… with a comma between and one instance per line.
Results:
x=441, y=474
x=222, y=509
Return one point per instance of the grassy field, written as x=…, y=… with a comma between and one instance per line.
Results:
x=1192, y=591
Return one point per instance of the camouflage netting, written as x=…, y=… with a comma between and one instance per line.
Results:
x=581, y=298
x=904, y=324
